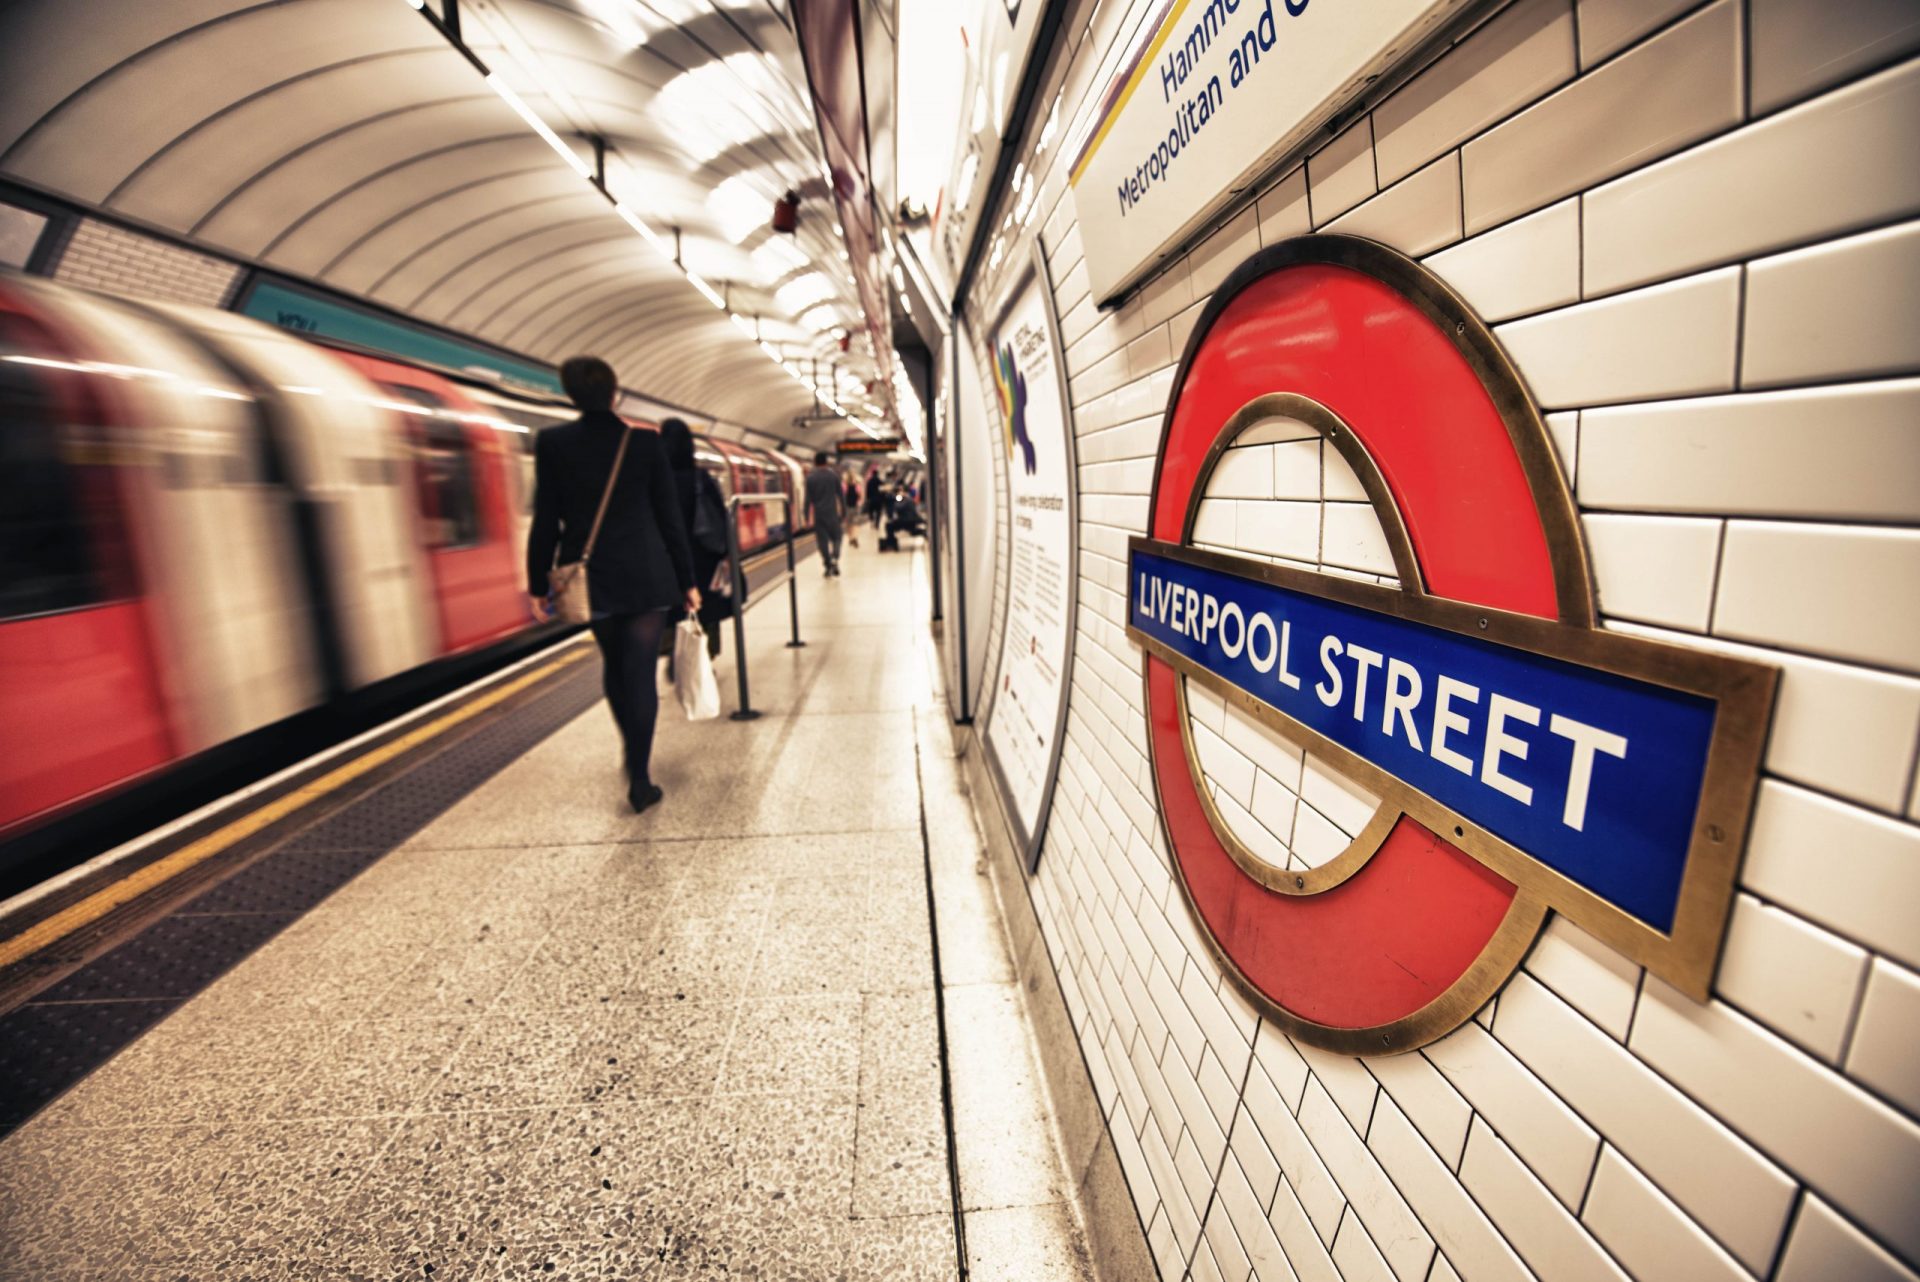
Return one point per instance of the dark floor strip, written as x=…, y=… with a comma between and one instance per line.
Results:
x=72, y=1028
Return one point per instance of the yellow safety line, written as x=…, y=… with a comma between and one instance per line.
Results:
x=105, y=900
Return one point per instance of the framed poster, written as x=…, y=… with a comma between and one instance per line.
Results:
x=1029, y=712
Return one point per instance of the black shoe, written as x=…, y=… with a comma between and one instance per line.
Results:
x=644, y=796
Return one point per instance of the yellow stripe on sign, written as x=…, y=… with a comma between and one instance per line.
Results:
x=1147, y=59
x=134, y=884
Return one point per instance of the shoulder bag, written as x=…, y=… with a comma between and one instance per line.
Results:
x=570, y=580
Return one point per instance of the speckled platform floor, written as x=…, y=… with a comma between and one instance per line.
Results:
x=548, y=1038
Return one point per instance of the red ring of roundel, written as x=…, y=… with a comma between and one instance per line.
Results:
x=1404, y=929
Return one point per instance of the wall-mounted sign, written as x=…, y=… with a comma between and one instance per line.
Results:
x=1029, y=707
x=869, y=445
x=1522, y=759
x=328, y=320
x=1216, y=91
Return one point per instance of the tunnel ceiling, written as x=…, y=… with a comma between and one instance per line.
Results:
x=350, y=142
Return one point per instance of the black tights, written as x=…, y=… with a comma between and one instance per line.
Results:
x=629, y=654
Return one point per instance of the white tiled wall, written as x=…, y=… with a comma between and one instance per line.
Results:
x=1692, y=224
x=120, y=261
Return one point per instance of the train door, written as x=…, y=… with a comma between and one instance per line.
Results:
x=81, y=695
x=345, y=460
x=460, y=488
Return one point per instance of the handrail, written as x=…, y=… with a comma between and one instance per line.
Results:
x=745, y=711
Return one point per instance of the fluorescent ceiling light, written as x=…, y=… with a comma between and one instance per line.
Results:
x=538, y=125
x=778, y=256
x=820, y=319
x=707, y=291
x=740, y=208
x=723, y=104
x=647, y=233
x=629, y=23
x=801, y=293
x=742, y=324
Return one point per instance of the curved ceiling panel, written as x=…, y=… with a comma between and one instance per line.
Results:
x=251, y=136
x=354, y=144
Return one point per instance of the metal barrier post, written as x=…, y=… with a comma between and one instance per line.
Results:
x=745, y=711
x=793, y=581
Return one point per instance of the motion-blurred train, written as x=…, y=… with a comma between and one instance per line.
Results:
x=208, y=525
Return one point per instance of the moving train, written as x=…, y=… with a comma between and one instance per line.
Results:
x=208, y=524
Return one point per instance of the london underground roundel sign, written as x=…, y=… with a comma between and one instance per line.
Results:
x=1524, y=761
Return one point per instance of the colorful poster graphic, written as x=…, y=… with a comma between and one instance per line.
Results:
x=1023, y=728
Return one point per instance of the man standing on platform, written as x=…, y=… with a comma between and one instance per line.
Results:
x=824, y=503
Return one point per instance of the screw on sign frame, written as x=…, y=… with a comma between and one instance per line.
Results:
x=1424, y=916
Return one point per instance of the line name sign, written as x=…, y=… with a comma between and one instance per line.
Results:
x=1215, y=92
x=1587, y=752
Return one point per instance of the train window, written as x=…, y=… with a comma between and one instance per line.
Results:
x=49, y=515
x=449, y=493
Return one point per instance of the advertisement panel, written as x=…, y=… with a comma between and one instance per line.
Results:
x=1029, y=707
x=1215, y=93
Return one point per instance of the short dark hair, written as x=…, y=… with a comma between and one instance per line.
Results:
x=589, y=382
x=820, y=457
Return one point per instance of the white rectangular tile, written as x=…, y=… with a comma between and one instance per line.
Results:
x=1355, y=1255
x=1428, y=1100
x=1676, y=339
x=1824, y=1246
x=1280, y=529
x=1245, y=1208
x=1515, y=58
x=1223, y=251
x=1263, y=746
x=1844, y=591
x=1245, y=473
x=1798, y=979
x=1353, y=539
x=1318, y=1196
x=1547, y=1236
x=1296, y=469
x=1839, y=727
x=1647, y=1233
x=1801, y=46
x=1885, y=1054
x=1416, y=215
x=1860, y=1154
x=1282, y=209
x=1844, y=309
x=1608, y=26
x=1818, y=170
x=1527, y=265
x=1656, y=569
x=1737, y=1194
x=1306, y=1251
x=1370, y=1194
x=1847, y=868
x=1340, y=174
x=1594, y=978
x=1845, y=452
x=1345, y=1080
x=1459, y=1227
x=1549, y=1136
x=1679, y=87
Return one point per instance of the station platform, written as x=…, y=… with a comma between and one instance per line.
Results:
x=442, y=1006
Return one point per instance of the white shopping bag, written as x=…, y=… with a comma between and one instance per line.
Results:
x=693, y=681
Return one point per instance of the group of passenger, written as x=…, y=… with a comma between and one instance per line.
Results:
x=648, y=527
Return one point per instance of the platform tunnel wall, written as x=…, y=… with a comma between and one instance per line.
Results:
x=1686, y=223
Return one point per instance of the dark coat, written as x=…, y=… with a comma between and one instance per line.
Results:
x=641, y=561
x=688, y=483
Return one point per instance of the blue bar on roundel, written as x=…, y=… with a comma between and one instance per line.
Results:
x=1596, y=775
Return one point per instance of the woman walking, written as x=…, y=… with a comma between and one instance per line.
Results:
x=603, y=495
x=696, y=491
